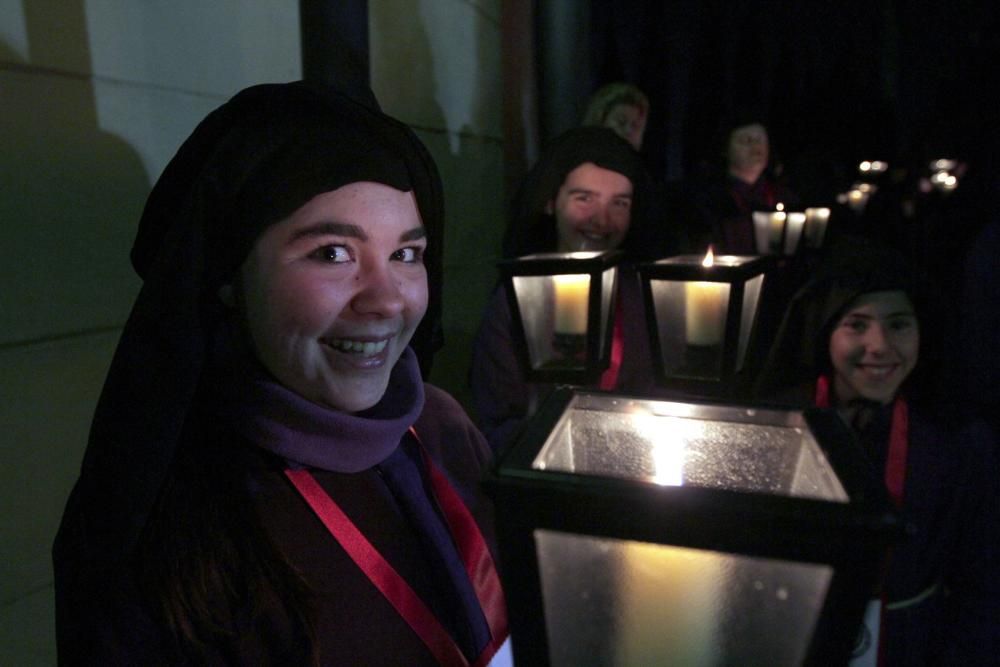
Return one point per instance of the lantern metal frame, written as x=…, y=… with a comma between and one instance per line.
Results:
x=737, y=272
x=601, y=305
x=851, y=537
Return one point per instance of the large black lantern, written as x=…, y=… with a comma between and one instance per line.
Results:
x=647, y=532
x=562, y=306
x=701, y=311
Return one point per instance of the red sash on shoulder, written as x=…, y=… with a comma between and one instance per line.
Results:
x=899, y=440
x=472, y=548
x=895, y=471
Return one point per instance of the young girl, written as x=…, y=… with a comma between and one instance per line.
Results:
x=851, y=341
x=268, y=479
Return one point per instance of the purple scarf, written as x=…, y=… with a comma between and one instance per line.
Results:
x=308, y=434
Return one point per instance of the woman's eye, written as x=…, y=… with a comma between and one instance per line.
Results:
x=902, y=324
x=857, y=326
x=410, y=255
x=335, y=254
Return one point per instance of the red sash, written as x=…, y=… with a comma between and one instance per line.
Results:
x=895, y=471
x=609, y=379
x=899, y=440
x=471, y=547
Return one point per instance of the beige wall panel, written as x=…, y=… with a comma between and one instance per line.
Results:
x=47, y=400
x=474, y=222
x=209, y=47
x=436, y=64
x=28, y=631
x=70, y=198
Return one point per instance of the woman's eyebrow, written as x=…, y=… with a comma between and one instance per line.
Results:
x=413, y=234
x=329, y=228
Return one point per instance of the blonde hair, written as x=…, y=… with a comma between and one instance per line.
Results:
x=607, y=97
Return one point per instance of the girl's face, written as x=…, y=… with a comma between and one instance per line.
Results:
x=874, y=346
x=334, y=293
x=628, y=122
x=593, y=209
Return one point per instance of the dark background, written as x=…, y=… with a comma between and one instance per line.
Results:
x=834, y=81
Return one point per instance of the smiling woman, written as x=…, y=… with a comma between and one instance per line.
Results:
x=331, y=306
x=850, y=341
x=268, y=479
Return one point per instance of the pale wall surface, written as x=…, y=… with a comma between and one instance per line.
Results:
x=96, y=97
x=436, y=65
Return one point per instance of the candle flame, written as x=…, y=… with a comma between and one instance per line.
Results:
x=779, y=207
x=709, y=258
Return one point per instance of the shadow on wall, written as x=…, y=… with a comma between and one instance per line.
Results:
x=72, y=193
x=413, y=82
x=70, y=197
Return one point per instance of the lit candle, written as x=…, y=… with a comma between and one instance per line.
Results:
x=856, y=199
x=768, y=228
x=704, y=309
x=816, y=221
x=793, y=232
x=571, y=295
x=670, y=604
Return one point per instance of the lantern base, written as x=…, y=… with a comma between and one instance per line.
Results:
x=700, y=361
x=570, y=349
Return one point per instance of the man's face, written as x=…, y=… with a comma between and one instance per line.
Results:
x=592, y=209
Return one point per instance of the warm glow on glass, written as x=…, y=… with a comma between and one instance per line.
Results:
x=668, y=439
x=571, y=295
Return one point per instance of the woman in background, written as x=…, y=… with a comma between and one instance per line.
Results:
x=621, y=107
x=268, y=479
x=851, y=341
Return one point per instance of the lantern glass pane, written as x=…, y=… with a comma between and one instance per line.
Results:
x=768, y=227
x=751, y=297
x=553, y=311
x=816, y=222
x=654, y=442
x=623, y=602
x=691, y=324
x=607, y=291
x=793, y=231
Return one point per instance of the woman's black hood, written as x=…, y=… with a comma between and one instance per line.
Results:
x=851, y=268
x=249, y=164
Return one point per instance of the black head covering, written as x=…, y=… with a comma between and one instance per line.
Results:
x=531, y=229
x=249, y=164
x=853, y=267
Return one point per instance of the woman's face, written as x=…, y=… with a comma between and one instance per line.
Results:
x=874, y=346
x=628, y=122
x=334, y=293
x=749, y=147
x=593, y=209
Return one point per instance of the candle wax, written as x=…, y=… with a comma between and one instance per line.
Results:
x=704, y=312
x=571, y=295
